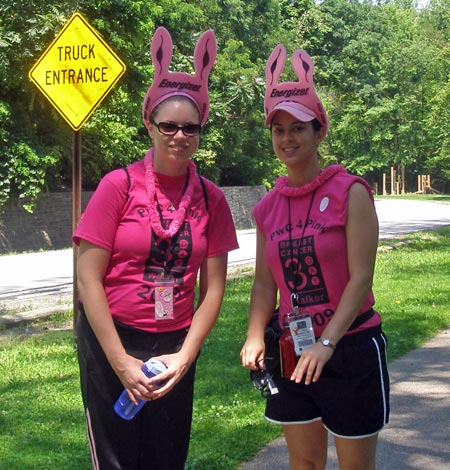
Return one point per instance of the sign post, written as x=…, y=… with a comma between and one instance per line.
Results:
x=76, y=214
x=75, y=73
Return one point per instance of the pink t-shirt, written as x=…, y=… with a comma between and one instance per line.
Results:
x=117, y=219
x=310, y=259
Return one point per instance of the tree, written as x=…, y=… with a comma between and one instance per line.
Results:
x=436, y=26
x=382, y=70
x=377, y=69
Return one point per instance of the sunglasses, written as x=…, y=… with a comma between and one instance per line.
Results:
x=263, y=382
x=169, y=128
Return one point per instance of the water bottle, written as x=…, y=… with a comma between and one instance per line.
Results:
x=288, y=357
x=124, y=407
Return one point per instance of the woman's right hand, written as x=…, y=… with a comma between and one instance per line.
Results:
x=252, y=354
x=129, y=371
x=262, y=304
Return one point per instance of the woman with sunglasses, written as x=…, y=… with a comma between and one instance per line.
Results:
x=317, y=235
x=146, y=234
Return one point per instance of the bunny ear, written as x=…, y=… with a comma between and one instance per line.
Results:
x=167, y=84
x=205, y=54
x=275, y=65
x=297, y=98
x=303, y=66
x=161, y=51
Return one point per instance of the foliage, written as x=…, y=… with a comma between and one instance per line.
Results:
x=382, y=69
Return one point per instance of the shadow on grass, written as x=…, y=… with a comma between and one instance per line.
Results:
x=42, y=425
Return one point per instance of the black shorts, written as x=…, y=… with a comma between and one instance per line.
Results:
x=351, y=396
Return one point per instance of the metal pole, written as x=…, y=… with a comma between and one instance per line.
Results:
x=76, y=213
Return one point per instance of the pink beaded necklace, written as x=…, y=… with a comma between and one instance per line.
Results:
x=179, y=214
x=282, y=183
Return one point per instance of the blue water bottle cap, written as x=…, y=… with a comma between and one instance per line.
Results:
x=153, y=367
x=124, y=407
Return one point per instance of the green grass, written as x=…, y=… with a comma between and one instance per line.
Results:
x=412, y=289
x=41, y=418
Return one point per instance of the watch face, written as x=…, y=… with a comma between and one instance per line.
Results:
x=327, y=342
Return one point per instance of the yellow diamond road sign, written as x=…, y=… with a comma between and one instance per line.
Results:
x=77, y=71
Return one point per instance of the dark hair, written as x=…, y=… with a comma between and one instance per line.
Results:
x=171, y=98
x=316, y=125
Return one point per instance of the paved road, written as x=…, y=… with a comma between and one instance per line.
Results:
x=43, y=273
x=51, y=272
x=398, y=217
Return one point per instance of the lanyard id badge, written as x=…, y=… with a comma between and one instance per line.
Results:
x=301, y=328
x=164, y=299
x=301, y=325
x=302, y=333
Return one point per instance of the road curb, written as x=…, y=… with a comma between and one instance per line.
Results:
x=11, y=320
x=15, y=319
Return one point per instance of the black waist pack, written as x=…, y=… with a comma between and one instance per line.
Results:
x=272, y=335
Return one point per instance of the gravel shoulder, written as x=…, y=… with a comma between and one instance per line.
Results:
x=36, y=314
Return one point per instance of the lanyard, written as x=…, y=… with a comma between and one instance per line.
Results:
x=295, y=295
x=158, y=205
x=169, y=241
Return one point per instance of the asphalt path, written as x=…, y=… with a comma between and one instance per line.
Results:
x=29, y=275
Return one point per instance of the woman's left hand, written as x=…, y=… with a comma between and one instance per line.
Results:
x=177, y=365
x=311, y=364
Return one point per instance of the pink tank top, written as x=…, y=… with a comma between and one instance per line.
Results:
x=306, y=245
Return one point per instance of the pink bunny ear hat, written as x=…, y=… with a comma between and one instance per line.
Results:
x=166, y=84
x=297, y=98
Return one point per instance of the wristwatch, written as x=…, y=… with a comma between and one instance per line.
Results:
x=326, y=342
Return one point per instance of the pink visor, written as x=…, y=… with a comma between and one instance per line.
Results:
x=297, y=110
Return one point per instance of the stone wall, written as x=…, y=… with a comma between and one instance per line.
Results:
x=49, y=227
x=242, y=200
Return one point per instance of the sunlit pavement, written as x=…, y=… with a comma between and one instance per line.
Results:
x=52, y=271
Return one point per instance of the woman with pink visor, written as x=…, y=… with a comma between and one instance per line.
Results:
x=317, y=236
